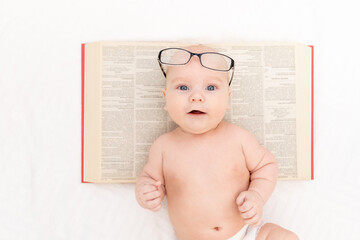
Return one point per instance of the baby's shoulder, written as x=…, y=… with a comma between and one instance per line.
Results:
x=163, y=140
x=238, y=132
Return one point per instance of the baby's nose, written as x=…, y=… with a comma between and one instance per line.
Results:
x=196, y=97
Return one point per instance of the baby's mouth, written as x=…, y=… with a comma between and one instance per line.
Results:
x=196, y=112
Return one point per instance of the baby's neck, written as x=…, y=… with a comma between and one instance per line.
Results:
x=185, y=134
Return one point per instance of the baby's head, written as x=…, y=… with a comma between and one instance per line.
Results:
x=197, y=97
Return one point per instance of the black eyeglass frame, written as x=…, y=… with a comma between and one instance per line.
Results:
x=232, y=64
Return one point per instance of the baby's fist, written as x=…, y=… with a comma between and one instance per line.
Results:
x=149, y=195
x=250, y=205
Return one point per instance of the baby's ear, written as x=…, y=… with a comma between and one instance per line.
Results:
x=228, y=106
x=164, y=93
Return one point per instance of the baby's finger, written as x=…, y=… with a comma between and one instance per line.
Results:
x=153, y=203
x=249, y=214
x=157, y=184
x=152, y=195
x=149, y=188
x=241, y=198
x=252, y=221
x=246, y=206
x=150, y=181
x=257, y=223
x=156, y=208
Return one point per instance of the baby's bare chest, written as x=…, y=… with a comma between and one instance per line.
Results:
x=196, y=164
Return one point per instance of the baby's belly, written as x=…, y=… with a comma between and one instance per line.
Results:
x=204, y=207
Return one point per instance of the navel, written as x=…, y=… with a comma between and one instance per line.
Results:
x=217, y=228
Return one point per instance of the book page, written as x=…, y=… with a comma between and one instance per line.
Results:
x=263, y=101
x=304, y=111
x=132, y=108
x=271, y=98
x=91, y=107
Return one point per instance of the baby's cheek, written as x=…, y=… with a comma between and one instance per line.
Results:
x=174, y=115
x=219, y=111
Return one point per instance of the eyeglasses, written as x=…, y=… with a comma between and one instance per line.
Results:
x=211, y=60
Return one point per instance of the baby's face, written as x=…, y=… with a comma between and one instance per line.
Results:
x=196, y=97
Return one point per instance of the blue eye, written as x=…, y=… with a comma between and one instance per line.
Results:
x=183, y=88
x=211, y=88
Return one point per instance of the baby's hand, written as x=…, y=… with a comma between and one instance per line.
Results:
x=250, y=205
x=150, y=194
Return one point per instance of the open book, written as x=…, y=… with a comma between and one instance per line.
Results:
x=122, y=104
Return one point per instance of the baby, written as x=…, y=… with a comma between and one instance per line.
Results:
x=215, y=175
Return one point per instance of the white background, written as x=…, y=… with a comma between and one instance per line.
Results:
x=41, y=196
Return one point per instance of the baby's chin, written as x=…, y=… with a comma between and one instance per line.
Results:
x=197, y=131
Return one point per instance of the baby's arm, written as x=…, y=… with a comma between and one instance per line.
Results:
x=150, y=185
x=263, y=169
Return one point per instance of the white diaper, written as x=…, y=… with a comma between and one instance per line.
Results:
x=248, y=232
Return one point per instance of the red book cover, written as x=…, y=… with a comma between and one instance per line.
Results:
x=82, y=109
x=312, y=112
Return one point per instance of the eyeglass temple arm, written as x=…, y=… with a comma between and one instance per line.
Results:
x=162, y=69
x=232, y=75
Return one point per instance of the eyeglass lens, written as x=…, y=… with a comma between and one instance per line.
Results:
x=213, y=61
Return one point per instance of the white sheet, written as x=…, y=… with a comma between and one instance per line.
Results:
x=41, y=196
